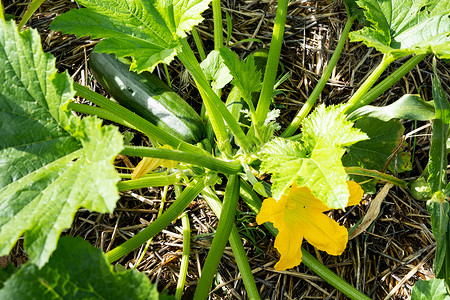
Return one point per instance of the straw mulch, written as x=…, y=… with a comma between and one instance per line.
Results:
x=384, y=261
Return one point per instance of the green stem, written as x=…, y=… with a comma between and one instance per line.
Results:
x=147, y=181
x=166, y=71
x=225, y=167
x=186, y=197
x=217, y=19
x=236, y=245
x=99, y=112
x=309, y=104
x=217, y=111
x=185, y=255
x=198, y=43
x=220, y=238
x=265, y=98
x=32, y=7
x=2, y=15
x=355, y=101
x=153, y=132
x=310, y=261
x=389, y=81
x=160, y=210
x=188, y=59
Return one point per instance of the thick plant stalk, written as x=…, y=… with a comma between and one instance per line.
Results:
x=217, y=110
x=2, y=16
x=236, y=246
x=220, y=238
x=225, y=167
x=389, y=81
x=186, y=197
x=158, y=180
x=99, y=112
x=355, y=101
x=218, y=31
x=140, y=123
x=310, y=261
x=185, y=256
x=270, y=75
x=309, y=104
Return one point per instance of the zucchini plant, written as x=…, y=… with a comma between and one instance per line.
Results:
x=64, y=162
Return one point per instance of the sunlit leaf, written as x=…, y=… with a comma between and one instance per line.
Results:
x=215, y=70
x=400, y=28
x=51, y=163
x=316, y=162
x=147, y=31
x=410, y=107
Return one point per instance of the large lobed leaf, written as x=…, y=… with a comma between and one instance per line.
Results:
x=403, y=27
x=316, y=162
x=148, y=31
x=430, y=289
x=51, y=163
x=77, y=270
x=375, y=152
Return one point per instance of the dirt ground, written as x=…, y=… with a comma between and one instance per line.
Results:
x=384, y=261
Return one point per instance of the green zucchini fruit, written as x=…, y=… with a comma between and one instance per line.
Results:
x=147, y=96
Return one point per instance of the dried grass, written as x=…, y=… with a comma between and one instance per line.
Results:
x=383, y=262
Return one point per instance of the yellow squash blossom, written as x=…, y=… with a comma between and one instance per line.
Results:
x=148, y=164
x=299, y=215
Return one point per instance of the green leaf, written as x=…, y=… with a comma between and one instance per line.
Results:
x=215, y=70
x=439, y=210
x=315, y=163
x=6, y=273
x=245, y=74
x=410, y=107
x=373, y=154
x=78, y=270
x=400, y=28
x=148, y=31
x=327, y=127
x=354, y=10
x=283, y=159
x=52, y=163
x=437, y=165
x=430, y=289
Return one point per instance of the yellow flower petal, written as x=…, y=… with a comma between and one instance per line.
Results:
x=299, y=215
x=288, y=243
x=356, y=193
x=147, y=164
x=326, y=234
x=272, y=211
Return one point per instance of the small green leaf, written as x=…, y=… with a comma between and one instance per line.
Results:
x=400, y=28
x=148, y=31
x=245, y=74
x=328, y=127
x=283, y=159
x=410, y=107
x=78, y=270
x=430, y=289
x=52, y=162
x=437, y=165
x=215, y=70
x=315, y=163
